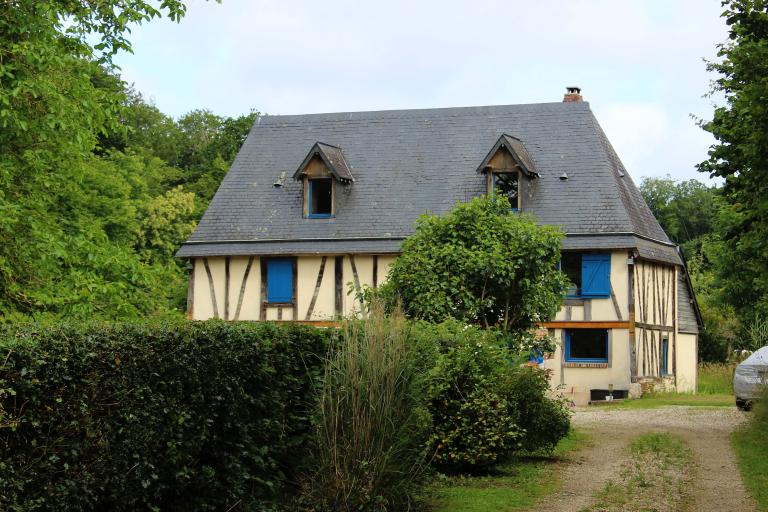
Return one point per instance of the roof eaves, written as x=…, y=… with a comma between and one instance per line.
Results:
x=689, y=284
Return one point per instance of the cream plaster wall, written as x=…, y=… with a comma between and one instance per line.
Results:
x=584, y=379
x=687, y=362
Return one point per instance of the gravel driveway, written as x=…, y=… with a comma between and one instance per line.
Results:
x=706, y=431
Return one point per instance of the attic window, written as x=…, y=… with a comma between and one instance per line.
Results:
x=320, y=203
x=322, y=170
x=507, y=184
x=504, y=166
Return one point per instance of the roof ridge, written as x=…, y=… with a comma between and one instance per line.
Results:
x=413, y=112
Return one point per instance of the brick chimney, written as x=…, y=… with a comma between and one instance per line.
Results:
x=572, y=94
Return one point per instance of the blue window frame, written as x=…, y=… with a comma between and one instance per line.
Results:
x=664, y=356
x=280, y=281
x=589, y=273
x=320, y=198
x=586, y=346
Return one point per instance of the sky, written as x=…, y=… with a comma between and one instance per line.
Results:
x=640, y=63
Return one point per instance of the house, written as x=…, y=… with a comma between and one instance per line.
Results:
x=314, y=202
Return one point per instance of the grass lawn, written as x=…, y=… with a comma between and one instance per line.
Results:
x=715, y=390
x=751, y=446
x=662, y=399
x=517, y=485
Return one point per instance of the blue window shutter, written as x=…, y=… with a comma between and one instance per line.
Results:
x=596, y=275
x=280, y=280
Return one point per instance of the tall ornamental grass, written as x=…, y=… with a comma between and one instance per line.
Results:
x=372, y=426
x=716, y=378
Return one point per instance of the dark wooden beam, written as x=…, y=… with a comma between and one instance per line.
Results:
x=585, y=325
x=191, y=291
x=631, y=314
x=295, y=293
x=241, y=295
x=263, y=292
x=226, y=287
x=375, y=270
x=211, y=288
x=311, y=308
x=655, y=327
x=339, y=285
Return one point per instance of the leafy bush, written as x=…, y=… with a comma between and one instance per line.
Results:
x=479, y=264
x=180, y=416
x=372, y=425
x=544, y=420
x=484, y=406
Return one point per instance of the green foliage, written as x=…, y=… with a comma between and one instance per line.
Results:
x=716, y=379
x=544, y=420
x=97, y=187
x=484, y=406
x=700, y=219
x=740, y=155
x=372, y=424
x=482, y=264
x=176, y=416
x=686, y=210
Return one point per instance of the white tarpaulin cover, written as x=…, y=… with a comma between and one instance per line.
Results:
x=751, y=375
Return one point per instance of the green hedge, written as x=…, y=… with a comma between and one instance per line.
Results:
x=181, y=416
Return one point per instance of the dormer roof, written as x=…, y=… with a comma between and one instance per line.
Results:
x=332, y=157
x=516, y=148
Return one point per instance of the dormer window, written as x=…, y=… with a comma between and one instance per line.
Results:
x=321, y=172
x=507, y=184
x=320, y=202
x=505, y=166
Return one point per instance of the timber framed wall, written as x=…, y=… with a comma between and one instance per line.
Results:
x=235, y=287
x=639, y=315
x=655, y=305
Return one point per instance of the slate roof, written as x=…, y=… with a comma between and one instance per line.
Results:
x=689, y=316
x=408, y=162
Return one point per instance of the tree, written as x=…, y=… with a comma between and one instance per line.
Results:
x=740, y=155
x=482, y=264
x=66, y=218
x=686, y=210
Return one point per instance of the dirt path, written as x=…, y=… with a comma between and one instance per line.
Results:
x=706, y=431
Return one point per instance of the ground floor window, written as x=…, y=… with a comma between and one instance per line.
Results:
x=586, y=345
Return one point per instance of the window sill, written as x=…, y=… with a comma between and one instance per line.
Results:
x=319, y=216
x=268, y=303
x=585, y=364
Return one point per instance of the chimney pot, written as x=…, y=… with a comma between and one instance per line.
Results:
x=572, y=93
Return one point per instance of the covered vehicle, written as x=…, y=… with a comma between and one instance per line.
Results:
x=751, y=378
